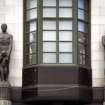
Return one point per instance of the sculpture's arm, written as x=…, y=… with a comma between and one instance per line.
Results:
x=10, y=46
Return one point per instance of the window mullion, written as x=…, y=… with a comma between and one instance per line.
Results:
x=40, y=27
x=57, y=31
x=75, y=31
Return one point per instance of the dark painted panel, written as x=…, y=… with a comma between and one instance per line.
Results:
x=30, y=77
x=85, y=76
x=57, y=83
x=56, y=75
x=73, y=94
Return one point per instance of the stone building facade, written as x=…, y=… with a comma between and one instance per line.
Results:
x=11, y=12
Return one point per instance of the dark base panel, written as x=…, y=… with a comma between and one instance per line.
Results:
x=98, y=98
x=55, y=82
x=73, y=94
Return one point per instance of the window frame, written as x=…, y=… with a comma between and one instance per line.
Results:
x=74, y=18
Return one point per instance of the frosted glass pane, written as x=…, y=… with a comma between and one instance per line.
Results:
x=49, y=35
x=81, y=26
x=65, y=12
x=49, y=46
x=49, y=12
x=32, y=37
x=49, y=2
x=81, y=14
x=32, y=26
x=49, y=57
x=32, y=14
x=65, y=47
x=81, y=4
x=32, y=59
x=65, y=35
x=65, y=58
x=31, y=4
x=65, y=25
x=65, y=3
x=32, y=48
x=49, y=25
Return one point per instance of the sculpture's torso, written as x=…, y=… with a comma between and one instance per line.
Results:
x=4, y=42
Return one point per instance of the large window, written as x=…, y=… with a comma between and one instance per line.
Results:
x=56, y=32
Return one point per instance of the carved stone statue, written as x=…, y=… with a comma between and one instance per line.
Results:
x=5, y=51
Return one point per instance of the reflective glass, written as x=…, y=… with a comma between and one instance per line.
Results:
x=81, y=14
x=32, y=14
x=49, y=57
x=81, y=48
x=49, y=12
x=32, y=48
x=65, y=36
x=65, y=47
x=65, y=25
x=32, y=26
x=65, y=3
x=32, y=59
x=49, y=46
x=81, y=37
x=80, y=59
x=32, y=37
x=65, y=58
x=84, y=59
x=49, y=25
x=49, y=2
x=49, y=35
x=31, y=4
x=81, y=4
x=81, y=26
x=65, y=12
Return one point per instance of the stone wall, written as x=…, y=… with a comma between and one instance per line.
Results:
x=97, y=50
x=11, y=12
